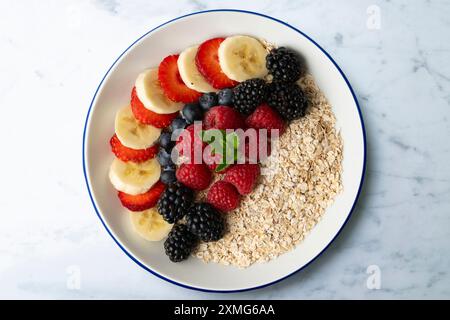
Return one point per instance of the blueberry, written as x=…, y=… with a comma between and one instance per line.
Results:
x=208, y=100
x=165, y=140
x=178, y=123
x=192, y=112
x=170, y=167
x=168, y=177
x=164, y=157
x=225, y=97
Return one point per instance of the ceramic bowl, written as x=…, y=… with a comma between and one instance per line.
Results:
x=114, y=92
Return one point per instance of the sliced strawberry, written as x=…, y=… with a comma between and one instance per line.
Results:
x=172, y=84
x=142, y=201
x=207, y=61
x=147, y=116
x=128, y=154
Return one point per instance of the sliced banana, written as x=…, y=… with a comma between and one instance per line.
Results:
x=189, y=73
x=132, y=133
x=242, y=58
x=134, y=178
x=150, y=93
x=150, y=225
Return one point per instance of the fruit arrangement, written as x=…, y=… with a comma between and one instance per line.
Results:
x=214, y=90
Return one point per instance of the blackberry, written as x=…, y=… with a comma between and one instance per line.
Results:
x=205, y=222
x=175, y=202
x=249, y=94
x=284, y=65
x=179, y=243
x=288, y=99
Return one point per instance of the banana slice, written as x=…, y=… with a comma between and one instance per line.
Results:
x=151, y=94
x=150, y=225
x=189, y=73
x=132, y=133
x=242, y=58
x=134, y=178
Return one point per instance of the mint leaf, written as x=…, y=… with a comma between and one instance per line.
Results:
x=222, y=166
x=232, y=139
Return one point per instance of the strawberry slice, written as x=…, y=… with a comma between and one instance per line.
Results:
x=128, y=154
x=172, y=84
x=207, y=61
x=142, y=201
x=147, y=116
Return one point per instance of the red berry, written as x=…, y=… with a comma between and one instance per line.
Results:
x=210, y=159
x=172, y=84
x=264, y=117
x=194, y=176
x=243, y=177
x=142, y=201
x=128, y=154
x=147, y=116
x=223, y=196
x=207, y=61
x=188, y=141
x=223, y=117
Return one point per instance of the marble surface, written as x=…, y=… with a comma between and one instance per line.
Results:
x=53, y=55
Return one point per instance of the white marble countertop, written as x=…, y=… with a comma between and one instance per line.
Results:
x=396, y=55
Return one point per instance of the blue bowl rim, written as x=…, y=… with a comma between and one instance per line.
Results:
x=292, y=273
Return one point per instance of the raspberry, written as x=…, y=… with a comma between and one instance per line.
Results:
x=194, y=176
x=264, y=117
x=223, y=117
x=187, y=141
x=223, y=196
x=243, y=177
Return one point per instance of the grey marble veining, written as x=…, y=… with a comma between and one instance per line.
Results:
x=54, y=53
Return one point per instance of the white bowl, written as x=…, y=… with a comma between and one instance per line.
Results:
x=114, y=92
